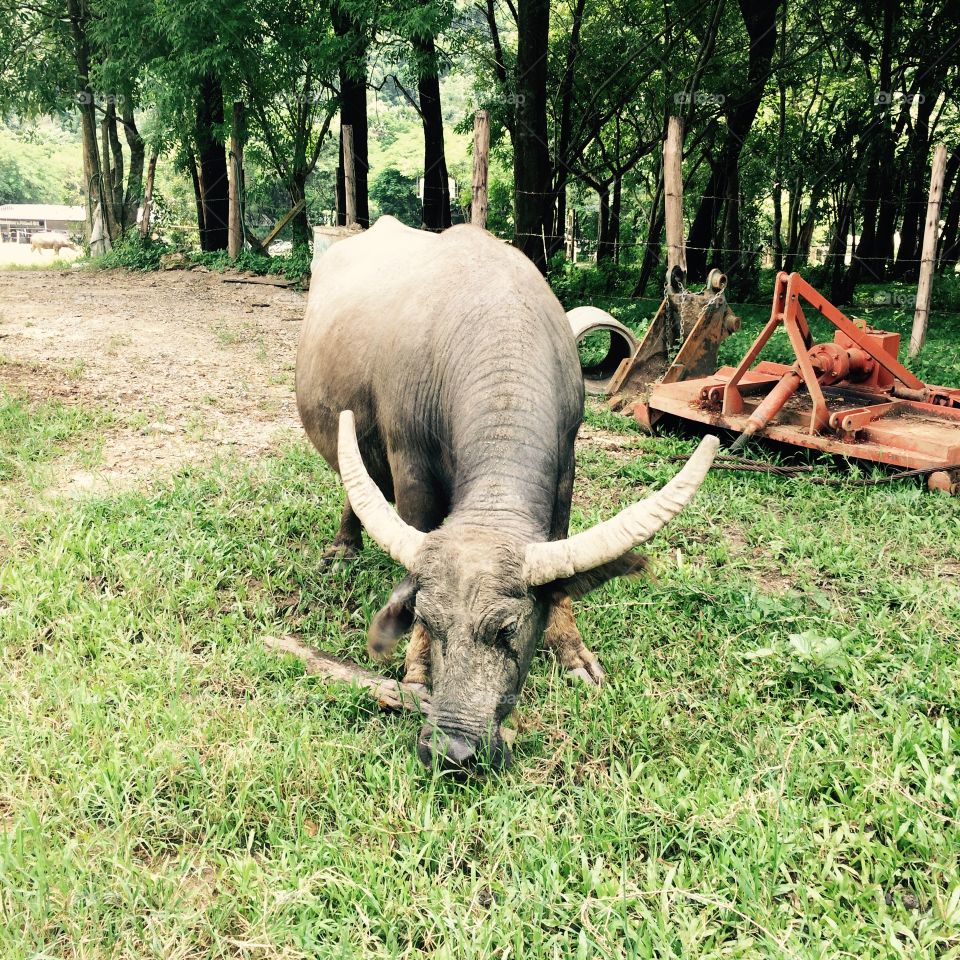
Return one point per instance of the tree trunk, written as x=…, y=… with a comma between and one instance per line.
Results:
x=655, y=224
x=793, y=225
x=300, y=225
x=564, y=132
x=92, y=173
x=605, y=245
x=436, y=183
x=889, y=205
x=238, y=136
x=134, y=191
x=116, y=150
x=614, y=226
x=872, y=251
x=353, y=112
x=838, y=249
x=760, y=19
x=108, y=205
x=700, y=238
x=950, y=240
x=781, y=143
x=865, y=255
x=212, y=156
x=914, y=210
x=76, y=13
x=531, y=156
x=195, y=177
x=148, y=196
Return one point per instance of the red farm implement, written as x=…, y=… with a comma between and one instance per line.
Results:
x=850, y=397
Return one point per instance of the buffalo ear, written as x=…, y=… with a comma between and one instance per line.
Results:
x=580, y=584
x=393, y=620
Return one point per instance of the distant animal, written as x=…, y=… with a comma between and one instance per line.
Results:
x=51, y=240
x=439, y=371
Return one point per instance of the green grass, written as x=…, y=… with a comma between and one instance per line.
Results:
x=33, y=435
x=771, y=771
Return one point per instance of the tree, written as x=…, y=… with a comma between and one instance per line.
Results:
x=420, y=61
x=290, y=69
x=351, y=23
x=717, y=222
x=396, y=196
x=532, y=170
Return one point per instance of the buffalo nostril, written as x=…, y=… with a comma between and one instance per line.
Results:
x=455, y=753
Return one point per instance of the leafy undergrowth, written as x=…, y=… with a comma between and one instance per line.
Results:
x=135, y=253
x=770, y=772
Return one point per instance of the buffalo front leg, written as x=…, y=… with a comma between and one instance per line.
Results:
x=349, y=539
x=563, y=638
x=417, y=661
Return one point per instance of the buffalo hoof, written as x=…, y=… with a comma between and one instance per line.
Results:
x=337, y=552
x=584, y=667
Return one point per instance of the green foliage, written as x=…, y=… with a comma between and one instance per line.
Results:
x=39, y=165
x=294, y=265
x=395, y=195
x=500, y=206
x=131, y=252
x=946, y=291
x=606, y=285
x=576, y=283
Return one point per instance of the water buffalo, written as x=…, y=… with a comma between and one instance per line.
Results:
x=50, y=240
x=439, y=371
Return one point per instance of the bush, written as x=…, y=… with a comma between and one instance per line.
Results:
x=133, y=252
x=575, y=285
x=294, y=265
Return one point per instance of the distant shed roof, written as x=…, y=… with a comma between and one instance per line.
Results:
x=41, y=211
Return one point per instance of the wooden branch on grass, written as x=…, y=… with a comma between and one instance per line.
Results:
x=388, y=693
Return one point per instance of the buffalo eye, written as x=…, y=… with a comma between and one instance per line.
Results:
x=507, y=631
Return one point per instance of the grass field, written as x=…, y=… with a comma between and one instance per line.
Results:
x=771, y=771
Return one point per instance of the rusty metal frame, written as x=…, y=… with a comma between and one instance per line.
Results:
x=894, y=417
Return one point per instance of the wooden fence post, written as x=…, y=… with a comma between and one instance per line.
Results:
x=673, y=197
x=571, y=234
x=235, y=183
x=349, y=180
x=928, y=257
x=481, y=157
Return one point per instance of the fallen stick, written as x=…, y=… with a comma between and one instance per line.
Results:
x=262, y=281
x=388, y=693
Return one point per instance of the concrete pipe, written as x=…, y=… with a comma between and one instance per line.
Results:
x=585, y=321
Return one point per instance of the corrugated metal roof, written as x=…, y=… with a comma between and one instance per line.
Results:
x=41, y=211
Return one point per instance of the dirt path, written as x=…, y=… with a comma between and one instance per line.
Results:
x=190, y=367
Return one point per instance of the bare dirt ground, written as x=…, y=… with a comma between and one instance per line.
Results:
x=189, y=366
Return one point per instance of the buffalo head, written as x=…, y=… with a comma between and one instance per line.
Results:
x=483, y=596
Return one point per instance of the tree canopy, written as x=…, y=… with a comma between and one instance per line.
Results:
x=808, y=127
